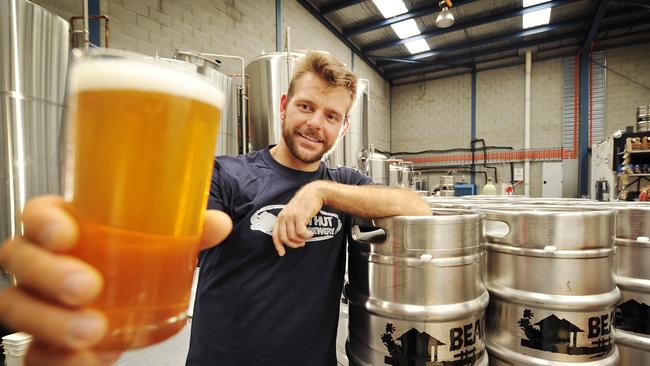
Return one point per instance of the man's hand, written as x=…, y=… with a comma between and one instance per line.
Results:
x=291, y=227
x=54, y=290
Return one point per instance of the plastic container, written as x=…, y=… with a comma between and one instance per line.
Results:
x=15, y=348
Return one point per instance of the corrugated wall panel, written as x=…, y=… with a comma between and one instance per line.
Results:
x=598, y=76
x=568, y=102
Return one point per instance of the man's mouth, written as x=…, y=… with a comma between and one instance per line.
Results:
x=310, y=138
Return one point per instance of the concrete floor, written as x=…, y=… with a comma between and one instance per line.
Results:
x=171, y=352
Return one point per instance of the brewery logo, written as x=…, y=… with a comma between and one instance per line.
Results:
x=556, y=335
x=415, y=348
x=633, y=317
x=324, y=225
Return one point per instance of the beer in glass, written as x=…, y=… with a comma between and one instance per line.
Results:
x=138, y=166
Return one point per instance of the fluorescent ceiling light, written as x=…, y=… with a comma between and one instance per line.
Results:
x=417, y=46
x=536, y=18
x=406, y=28
x=390, y=8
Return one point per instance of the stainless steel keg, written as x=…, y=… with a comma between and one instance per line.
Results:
x=552, y=286
x=633, y=279
x=416, y=292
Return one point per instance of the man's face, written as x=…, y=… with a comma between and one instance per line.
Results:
x=314, y=118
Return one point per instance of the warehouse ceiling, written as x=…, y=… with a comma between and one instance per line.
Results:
x=486, y=34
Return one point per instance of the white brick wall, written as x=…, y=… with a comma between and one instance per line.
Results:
x=623, y=96
x=431, y=115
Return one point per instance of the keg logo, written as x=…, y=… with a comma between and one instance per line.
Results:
x=556, y=335
x=415, y=348
x=633, y=317
x=324, y=225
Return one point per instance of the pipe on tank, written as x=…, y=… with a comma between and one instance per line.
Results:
x=527, y=125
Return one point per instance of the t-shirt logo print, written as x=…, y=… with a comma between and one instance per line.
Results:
x=324, y=225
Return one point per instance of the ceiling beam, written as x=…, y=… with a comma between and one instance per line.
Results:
x=461, y=59
x=641, y=3
x=338, y=5
x=507, y=37
x=595, y=23
x=483, y=42
x=536, y=42
x=412, y=14
x=345, y=41
x=626, y=43
x=472, y=23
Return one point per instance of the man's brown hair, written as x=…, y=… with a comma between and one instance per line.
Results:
x=329, y=69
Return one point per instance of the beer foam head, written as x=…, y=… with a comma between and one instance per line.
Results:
x=124, y=74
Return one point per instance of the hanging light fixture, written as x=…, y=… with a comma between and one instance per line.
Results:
x=445, y=18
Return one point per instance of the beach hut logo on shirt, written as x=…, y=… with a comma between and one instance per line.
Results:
x=325, y=225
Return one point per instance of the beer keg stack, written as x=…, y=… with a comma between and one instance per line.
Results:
x=554, y=271
x=416, y=292
x=633, y=279
x=643, y=118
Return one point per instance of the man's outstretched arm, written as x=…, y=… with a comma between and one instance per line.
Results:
x=365, y=201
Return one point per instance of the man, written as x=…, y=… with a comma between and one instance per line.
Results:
x=254, y=306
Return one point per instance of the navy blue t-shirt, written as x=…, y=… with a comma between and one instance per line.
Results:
x=252, y=306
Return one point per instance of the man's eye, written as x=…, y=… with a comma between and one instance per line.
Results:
x=333, y=117
x=304, y=107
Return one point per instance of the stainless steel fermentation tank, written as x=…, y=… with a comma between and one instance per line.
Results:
x=33, y=68
x=357, y=136
x=552, y=285
x=416, y=292
x=227, y=143
x=269, y=77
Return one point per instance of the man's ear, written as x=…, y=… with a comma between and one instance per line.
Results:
x=283, y=103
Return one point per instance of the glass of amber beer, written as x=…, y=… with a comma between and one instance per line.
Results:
x=138, y=164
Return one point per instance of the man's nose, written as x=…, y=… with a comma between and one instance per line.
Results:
x=316, y=120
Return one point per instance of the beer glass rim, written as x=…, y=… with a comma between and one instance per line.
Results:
x=184, y=83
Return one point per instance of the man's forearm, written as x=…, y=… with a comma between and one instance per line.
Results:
x=371, y=201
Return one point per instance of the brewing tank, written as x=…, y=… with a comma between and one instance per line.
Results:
x=227, y=140
x=269, y=77
x=33, y=68
x=357, y=137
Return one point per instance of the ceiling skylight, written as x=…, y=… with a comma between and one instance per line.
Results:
x=406, y=28
x=417, y=46
x=390, y=8
x=536, y=18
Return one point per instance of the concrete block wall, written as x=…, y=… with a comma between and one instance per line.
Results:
x=624, y=96
x=433, y=115
x=244, y=28
x=500, y=93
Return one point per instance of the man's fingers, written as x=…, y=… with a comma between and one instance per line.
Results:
x=283, y=226
x=58, y=278
x=279, y=247
x=217, y=227
x=40, y=354
x=302, y=231
x=54, y=325
x=46, y=222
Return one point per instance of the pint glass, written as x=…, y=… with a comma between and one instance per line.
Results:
x=138, y=164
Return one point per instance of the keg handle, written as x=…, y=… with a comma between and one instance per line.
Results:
x=496, y=228
x=369, y=234
x=365, y=231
